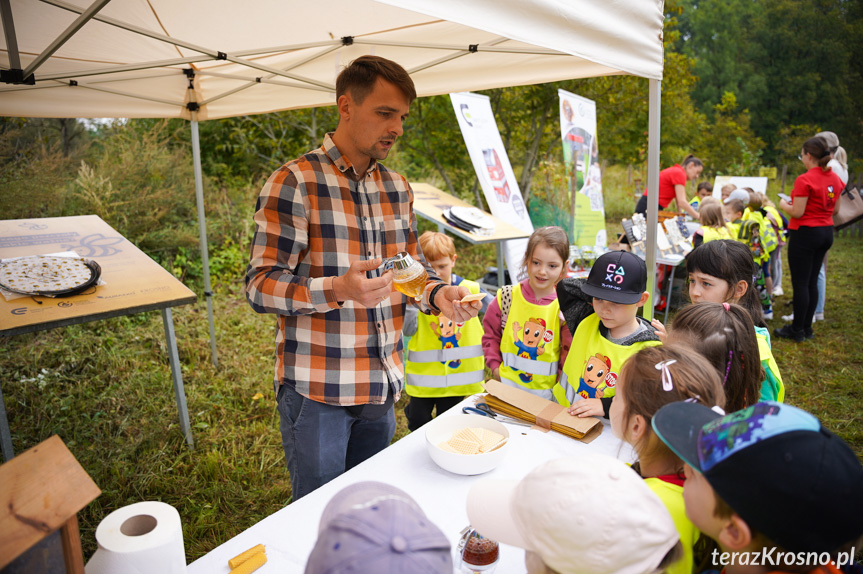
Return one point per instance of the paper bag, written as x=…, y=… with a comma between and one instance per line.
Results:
x=545, y=414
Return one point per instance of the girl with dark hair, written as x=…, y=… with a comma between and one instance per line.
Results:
x=814, y=201
x=672, y=185
x=722, y=271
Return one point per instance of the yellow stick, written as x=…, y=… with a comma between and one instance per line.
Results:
x=252, y=564
x=240, y=558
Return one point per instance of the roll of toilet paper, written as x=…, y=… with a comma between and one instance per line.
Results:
x=142, y=538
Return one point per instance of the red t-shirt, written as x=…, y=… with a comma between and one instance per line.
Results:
x=668, y=178
x=822, y=188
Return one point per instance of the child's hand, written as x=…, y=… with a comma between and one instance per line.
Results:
x=587, y=408
x=660, y=330
x=495, y=374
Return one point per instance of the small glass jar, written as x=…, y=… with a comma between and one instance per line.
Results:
x=476, y=553
x=409, y=276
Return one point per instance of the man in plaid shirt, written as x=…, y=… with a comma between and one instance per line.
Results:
x=324, y=224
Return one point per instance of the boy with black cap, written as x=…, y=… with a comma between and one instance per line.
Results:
x=775, y=489
x=605, y=338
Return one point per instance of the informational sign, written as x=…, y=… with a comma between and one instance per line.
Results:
x=498, y=182
x=582, y=199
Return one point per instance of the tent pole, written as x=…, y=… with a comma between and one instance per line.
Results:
x=9, y=34
x=654, y=107
x=79, y=22
x=202, y=225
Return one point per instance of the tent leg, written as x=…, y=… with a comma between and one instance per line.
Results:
x=202, y=225
x=654, y=108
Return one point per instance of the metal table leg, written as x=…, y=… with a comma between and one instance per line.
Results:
x=5, y=435
x=668, y=300
x=177, y=375
x=500, y=271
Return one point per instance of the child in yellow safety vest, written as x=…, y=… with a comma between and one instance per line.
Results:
x=723, y=272
x=526, y=339
x=778, y=223
x=444, y=361
x=608, y=336
x=713, y=224
x=755, y=212
x=702, y=192
x=651, y=379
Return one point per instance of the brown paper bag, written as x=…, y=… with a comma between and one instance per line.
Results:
x=547, y=415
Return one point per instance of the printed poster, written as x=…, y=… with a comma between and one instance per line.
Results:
x=585, y=219
x=498, y=182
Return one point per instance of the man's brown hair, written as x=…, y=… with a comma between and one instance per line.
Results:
x=360, y=76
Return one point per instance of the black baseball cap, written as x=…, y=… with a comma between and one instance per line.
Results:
x=617, y=276
x=787, y=476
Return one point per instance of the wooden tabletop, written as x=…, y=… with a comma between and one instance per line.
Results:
x=430, y=202
x=133, y=282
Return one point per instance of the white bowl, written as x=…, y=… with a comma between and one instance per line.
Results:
x=441, y=430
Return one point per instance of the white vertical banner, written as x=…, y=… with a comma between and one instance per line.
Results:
x=581, y=155
x=498, y=182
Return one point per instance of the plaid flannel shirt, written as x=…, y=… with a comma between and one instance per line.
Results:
x=314, y=216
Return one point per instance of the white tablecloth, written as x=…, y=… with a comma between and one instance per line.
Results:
x=290, y=533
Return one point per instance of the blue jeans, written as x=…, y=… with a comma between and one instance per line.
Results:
x=822, y=289
x=323, y=441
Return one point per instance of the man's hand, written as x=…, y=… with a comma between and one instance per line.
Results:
x=355, y=286
x=447, y=300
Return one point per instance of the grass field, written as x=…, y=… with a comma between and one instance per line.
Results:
x=105, y=388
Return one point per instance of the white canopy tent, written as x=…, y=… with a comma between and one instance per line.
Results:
x=208, y=59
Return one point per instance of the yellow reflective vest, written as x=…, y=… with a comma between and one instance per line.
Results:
x=445, y=358
x=772, y=387
x=714, y=233
x=593, y=364
x=768, y=234
x=530, y=343
x=672, y=496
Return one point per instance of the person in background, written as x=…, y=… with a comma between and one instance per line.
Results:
x=839, y=164
x=733, y=210
x=749, y=230
x=323, y=225
x=525, y=339
x=815, y=198
x=672, y=186
x=586, y=514
x=373, y=527
x=444, y=360
x=713, y=224
x=650, y=379
x=778, y=223
x=704, y=189
x=755, y=211
x=726, y=190
x=758, y=481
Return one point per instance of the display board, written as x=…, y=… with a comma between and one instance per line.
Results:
x=489, y=158
x=585, y=216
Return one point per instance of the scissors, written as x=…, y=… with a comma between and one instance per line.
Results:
x=483, y=409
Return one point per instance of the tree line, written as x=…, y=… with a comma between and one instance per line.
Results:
x=745, y=83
